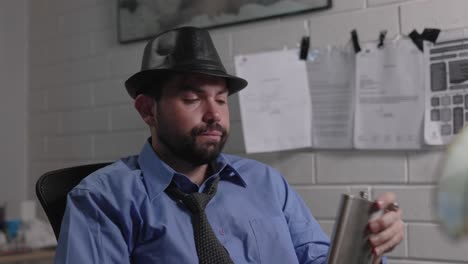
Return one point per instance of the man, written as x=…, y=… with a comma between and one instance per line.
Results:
x=182, y=201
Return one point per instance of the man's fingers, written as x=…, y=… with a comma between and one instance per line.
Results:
x=396, y=230
x=388, y=230
x=390, y=244
x=385, y=200
x=382, y=223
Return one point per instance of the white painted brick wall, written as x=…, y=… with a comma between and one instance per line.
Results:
x=383, y=2
x=327, y=226
x=44, y=123
x=69, y=147
x=13, y=103
x=423, y=166
x=116, y=145
x=37, y=149
x=235, y=142
x=427, y=242
x=234, y=112
x=340, y=6
x=125, y=118
x=297, y=167
x=85, y=121
x=416, y=201
x=93, y=17
x=361, y=167
x=324, y=201
x=124, y=62
x=335, y=28
x=103, y=40
x=37, y=100
x=79, y=111
x=111, y=92
x=439, y=14
x=69, y=97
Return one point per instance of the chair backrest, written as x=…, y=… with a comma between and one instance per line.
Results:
x=52, y=189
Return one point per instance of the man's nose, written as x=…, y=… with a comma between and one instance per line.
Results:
x=212, y=112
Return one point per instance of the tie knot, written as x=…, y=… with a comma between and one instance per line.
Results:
x=195, y=202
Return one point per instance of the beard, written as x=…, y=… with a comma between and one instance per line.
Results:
x=186, y=147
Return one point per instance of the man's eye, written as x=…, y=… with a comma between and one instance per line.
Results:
x=191, y=100
x=221, y=101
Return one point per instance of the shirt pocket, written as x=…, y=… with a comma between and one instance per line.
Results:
x=273, y=240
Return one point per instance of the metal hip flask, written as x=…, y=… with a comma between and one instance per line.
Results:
x=350, y=243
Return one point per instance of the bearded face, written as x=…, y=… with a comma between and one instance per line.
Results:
x=192, y=118
x=200, y=145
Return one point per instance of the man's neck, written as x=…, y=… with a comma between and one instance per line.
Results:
x=196, y=173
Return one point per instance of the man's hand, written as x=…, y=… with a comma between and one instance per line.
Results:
x=388, y=230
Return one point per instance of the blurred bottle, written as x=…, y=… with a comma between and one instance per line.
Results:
x=12, y=227
x=452, y=191
x=2, y=217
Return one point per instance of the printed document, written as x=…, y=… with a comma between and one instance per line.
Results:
x=275, y=107
x=389, y=96
x=331, y=82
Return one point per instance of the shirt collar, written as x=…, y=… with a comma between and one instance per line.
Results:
x=157, y=174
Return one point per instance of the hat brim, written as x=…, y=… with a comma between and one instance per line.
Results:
x=147, y=80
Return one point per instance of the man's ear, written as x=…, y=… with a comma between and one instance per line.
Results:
x=145, y=105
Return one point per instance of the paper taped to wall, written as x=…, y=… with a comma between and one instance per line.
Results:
x=446, y=100
x=389, y=96
x=335, y=99
x=275, y=109
x=331, y=73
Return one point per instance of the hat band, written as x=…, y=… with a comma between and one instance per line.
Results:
x=199, y=65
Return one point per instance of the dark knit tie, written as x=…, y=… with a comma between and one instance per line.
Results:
x=209, y=249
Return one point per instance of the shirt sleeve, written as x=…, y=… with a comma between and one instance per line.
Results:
x=89, y=233
x=310, y=242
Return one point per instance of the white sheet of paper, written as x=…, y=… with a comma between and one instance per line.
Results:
x=331, y=83
x=389, y=96
x=275, y=107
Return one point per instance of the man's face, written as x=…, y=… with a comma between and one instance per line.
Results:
x=192, y=117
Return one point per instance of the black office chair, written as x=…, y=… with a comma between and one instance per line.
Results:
x=52, y=189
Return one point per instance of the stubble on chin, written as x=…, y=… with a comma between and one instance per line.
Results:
x=210, y=150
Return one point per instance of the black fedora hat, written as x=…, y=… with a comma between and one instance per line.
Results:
x=183, y=50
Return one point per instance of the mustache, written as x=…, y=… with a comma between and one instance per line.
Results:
x=212, y=127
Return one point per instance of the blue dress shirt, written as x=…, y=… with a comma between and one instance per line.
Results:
x=121, y=214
